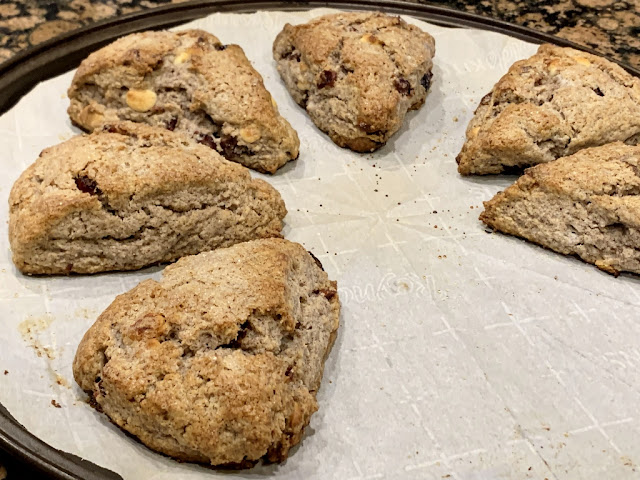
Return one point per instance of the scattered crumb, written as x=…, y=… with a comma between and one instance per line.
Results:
x=31, y=328
x=85, y=313
x=60, y=380
x=6, y=372
x=55, y=404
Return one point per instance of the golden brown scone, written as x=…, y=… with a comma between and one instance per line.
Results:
x=357, y=74
x=188, y=82
x=587, y=204
x=221, y=360
x=130, y=196
x=551, y=105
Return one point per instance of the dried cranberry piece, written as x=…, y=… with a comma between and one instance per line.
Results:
x=292, y=54
x=327, y=79
x=228, y=143
x=402, y=86
x=426, y=80
x=598, y=92
x=134, y=57
x=366, y=127
x=87, y=185
x=206, y=139
x=171, y=124
x=326, y=293
x=110, y=129
x=220, y=47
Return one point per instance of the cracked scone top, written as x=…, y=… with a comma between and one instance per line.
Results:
x=130, y=196
x=356, y=74
x=221, y=360
x=587, y=204
x=190, y=83
x=550, y=105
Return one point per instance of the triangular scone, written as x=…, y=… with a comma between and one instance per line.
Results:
x=188, y=82
x=131, y=196
x=587, y=204
x=221, y=360
x=357, y=74
x=551, y=105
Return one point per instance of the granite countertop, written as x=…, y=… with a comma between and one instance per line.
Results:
x=611, y=27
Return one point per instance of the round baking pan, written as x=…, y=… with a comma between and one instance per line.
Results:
x=65, y=52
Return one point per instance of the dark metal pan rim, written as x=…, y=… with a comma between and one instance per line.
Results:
x=22, y=72
x=25, y=70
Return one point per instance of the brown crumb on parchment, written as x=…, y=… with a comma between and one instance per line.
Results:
x=55, y=404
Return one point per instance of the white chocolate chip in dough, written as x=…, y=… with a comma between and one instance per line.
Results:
x=583, y=61
x=181, y=58
x=554, y=65
x=90, y=118
x=368, y=38
x=250, y=134
x=141, y=100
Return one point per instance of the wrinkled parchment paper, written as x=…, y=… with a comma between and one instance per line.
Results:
x=461, y=354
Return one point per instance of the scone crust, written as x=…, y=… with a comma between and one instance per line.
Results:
x=188, y=82
x=133, y=195
x=587, y=204
x=221, y=360
x=356, y=74
x=551, y=105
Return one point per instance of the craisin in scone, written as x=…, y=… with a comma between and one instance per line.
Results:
x=130, y=196
x=551, y=105
x=587, y=204
x=356, y=74
x=190, y=83
x=221, y=360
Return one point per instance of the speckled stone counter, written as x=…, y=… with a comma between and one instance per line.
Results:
x=609, y=26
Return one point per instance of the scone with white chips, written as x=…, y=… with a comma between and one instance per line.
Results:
x=221, y=360
x=132, y=195
x=548, y=106
x=188, y=82
x=356, y=74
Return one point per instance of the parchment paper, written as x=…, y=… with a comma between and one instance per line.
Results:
x=461, y=354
